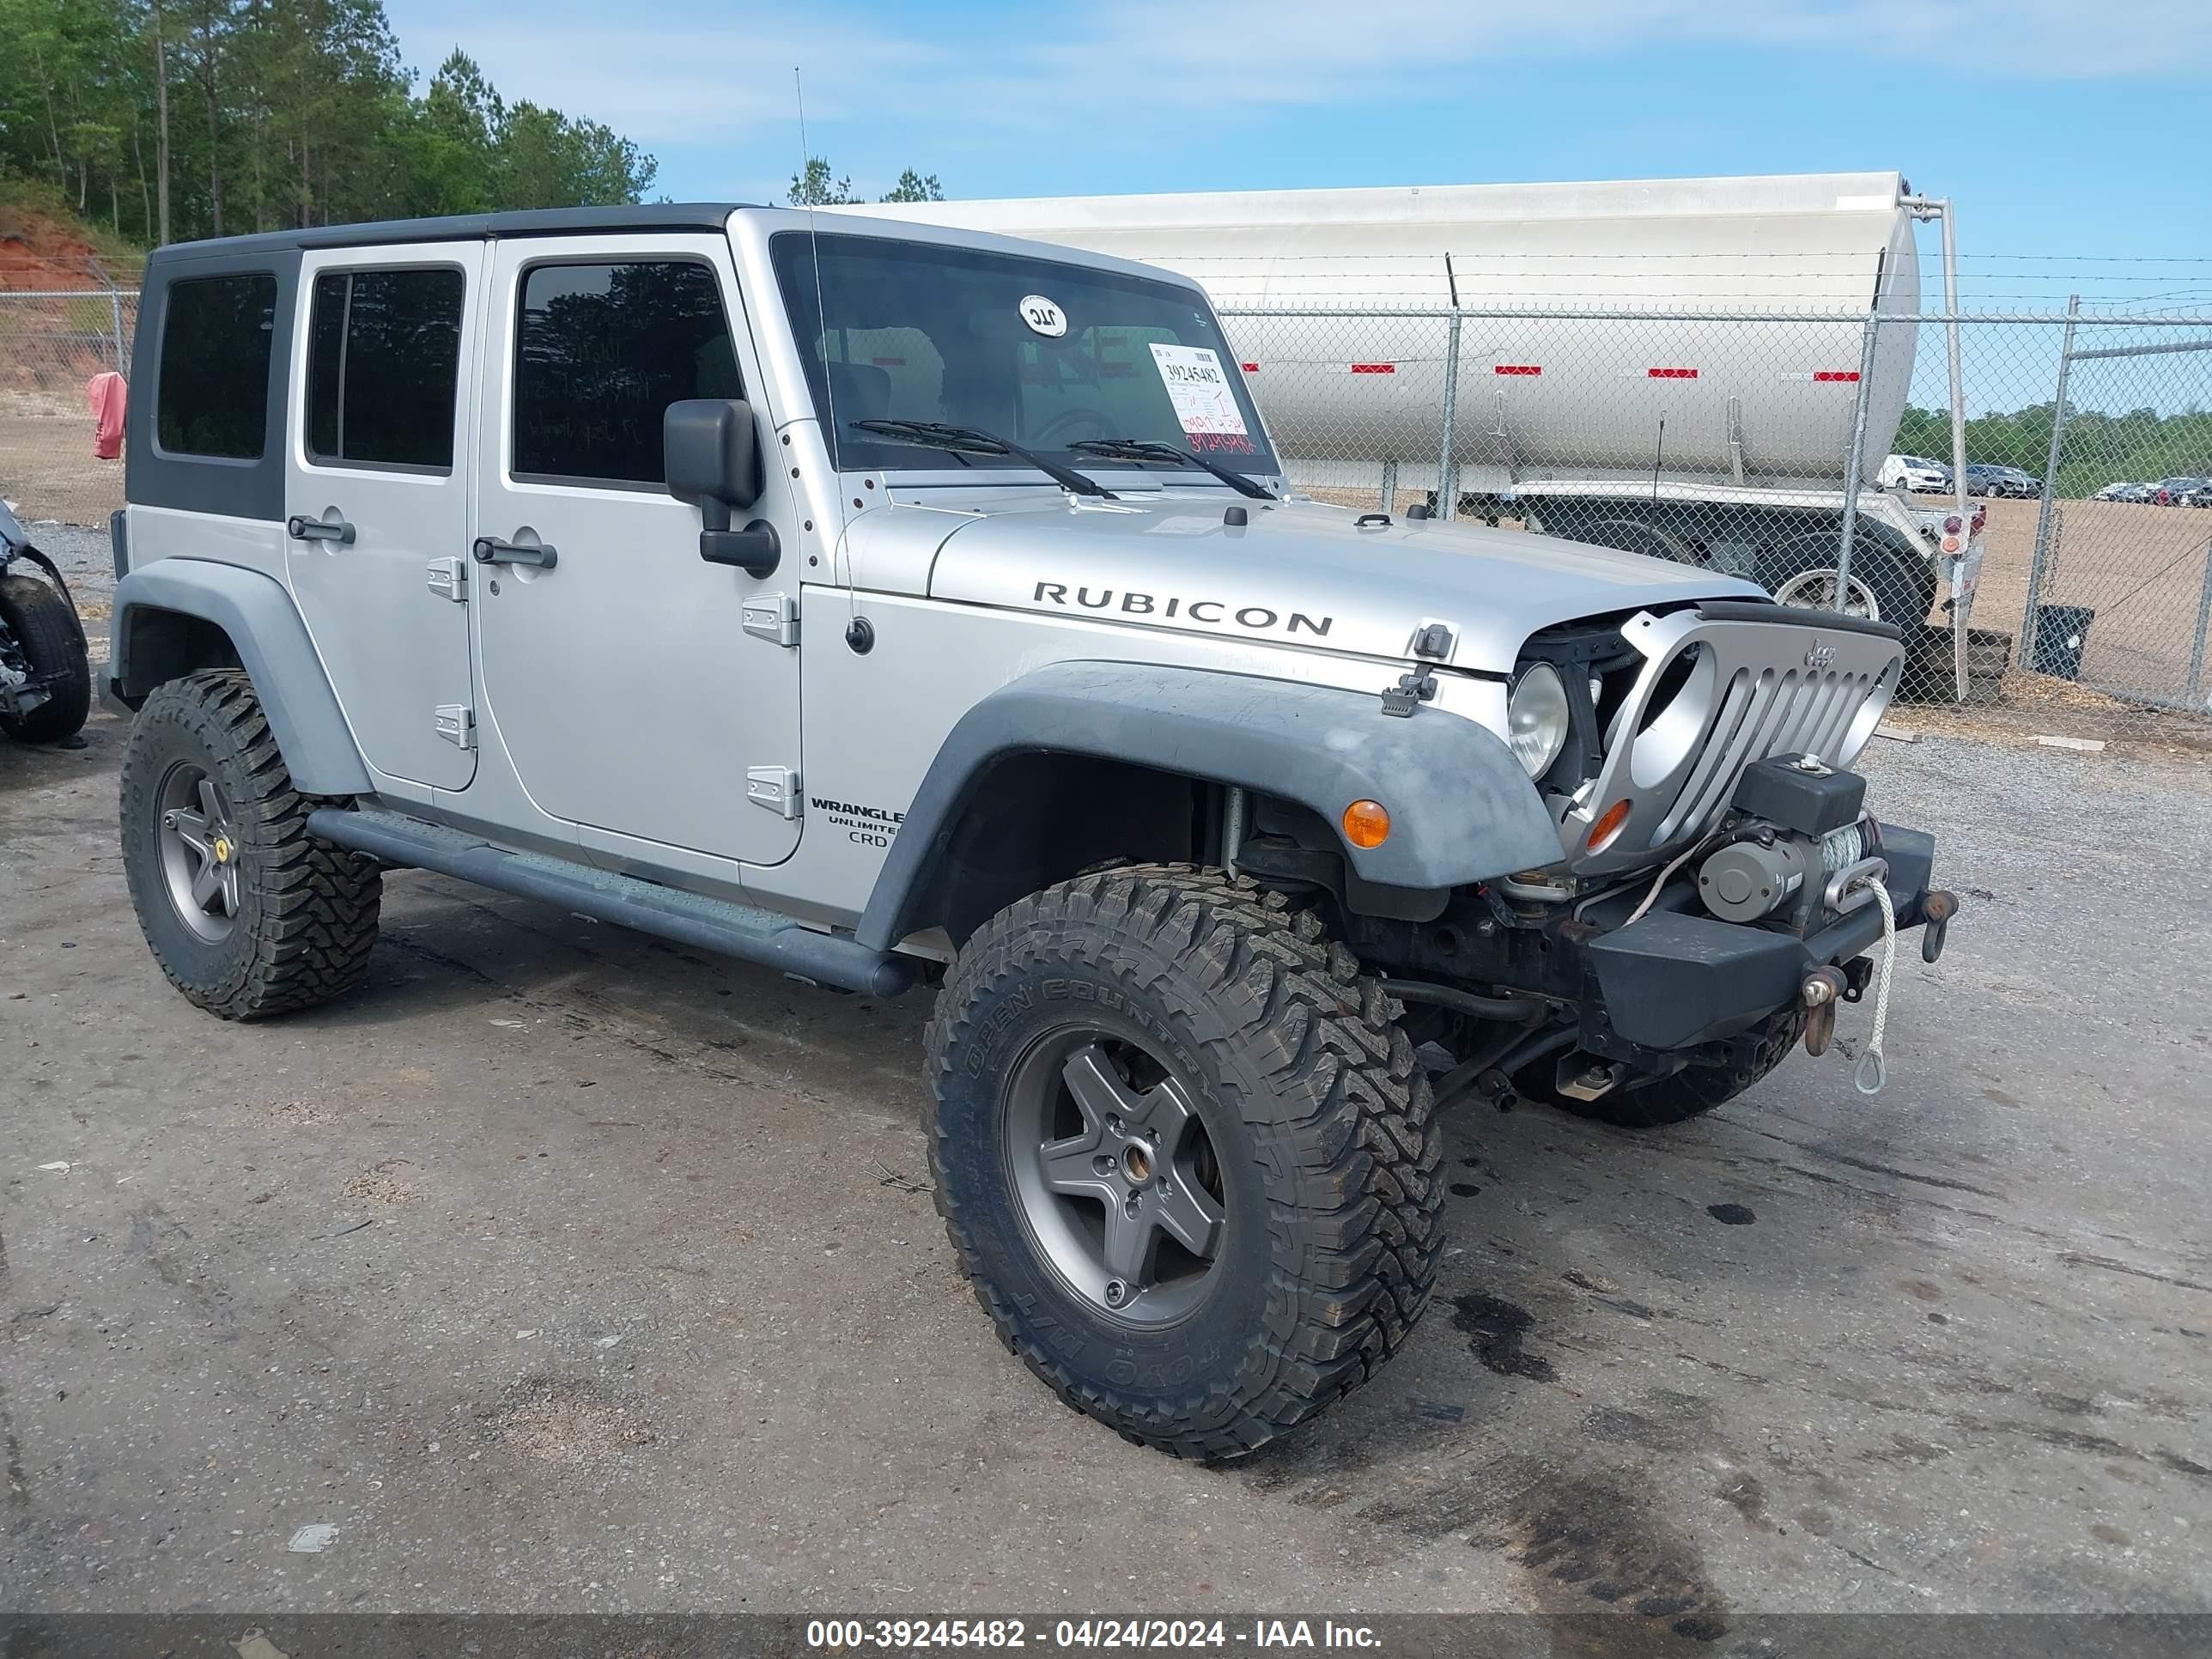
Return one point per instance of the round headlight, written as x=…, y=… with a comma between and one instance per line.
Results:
x=1536, y=717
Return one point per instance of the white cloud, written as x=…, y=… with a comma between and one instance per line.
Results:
x=1106, y=72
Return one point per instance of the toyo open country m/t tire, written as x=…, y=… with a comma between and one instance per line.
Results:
x=248, y=915
x=1184, y=1152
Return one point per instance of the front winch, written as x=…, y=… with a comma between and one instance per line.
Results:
x=1757, y=874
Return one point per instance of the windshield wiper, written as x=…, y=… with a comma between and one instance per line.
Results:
x=974, y=440
x=1143, y=449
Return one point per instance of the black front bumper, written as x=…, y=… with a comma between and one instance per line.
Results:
x=1673, y=981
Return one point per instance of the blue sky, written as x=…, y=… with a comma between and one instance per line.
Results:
x=2061, y=128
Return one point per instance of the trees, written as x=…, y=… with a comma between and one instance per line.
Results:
x=252, y=114
x=914, y=187
x=818, y=188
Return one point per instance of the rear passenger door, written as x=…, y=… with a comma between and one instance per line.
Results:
x=376, y=495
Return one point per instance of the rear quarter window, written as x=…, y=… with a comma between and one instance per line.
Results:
x=214, y=379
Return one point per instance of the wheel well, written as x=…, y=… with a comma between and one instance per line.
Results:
x=1030, y=820
x=161, y=645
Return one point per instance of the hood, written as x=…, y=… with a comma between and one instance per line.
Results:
x=1300, y=573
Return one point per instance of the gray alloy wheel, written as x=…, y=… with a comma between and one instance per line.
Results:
x=1116, y=1181
x=199, y=852
x=1185, y=1151
x=246, y=913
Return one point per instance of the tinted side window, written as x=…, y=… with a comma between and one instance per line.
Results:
x=214, y=397
x=384, y=360
x=600, y=353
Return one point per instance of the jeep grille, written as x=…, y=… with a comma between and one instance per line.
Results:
x=1713, y=696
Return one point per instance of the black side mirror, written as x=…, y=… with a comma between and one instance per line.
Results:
x=711, y=459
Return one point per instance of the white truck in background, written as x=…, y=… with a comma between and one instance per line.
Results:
x=1559, y=400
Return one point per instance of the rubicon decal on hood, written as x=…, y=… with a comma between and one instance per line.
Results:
x=1123, y=602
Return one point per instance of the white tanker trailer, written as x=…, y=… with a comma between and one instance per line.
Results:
x=1713, y=432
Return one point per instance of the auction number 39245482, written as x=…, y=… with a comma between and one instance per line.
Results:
x=902, y=1635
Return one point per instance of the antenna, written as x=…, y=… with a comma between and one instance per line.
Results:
x=839, y=553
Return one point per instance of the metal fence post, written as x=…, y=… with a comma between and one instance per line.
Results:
x=1389, y=487
x=2039, y=563
x=2193, y=687
x=115, y=310
x=1446, y=474
x=1855, y=468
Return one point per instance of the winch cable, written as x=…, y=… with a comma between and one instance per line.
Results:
x=1872, y=1071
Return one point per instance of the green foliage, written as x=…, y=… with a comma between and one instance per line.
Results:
x=816, y=188
x=914, y=187
x=279, y=113
x=2097, y=449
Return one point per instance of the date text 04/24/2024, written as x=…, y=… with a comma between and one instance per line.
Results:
x=898, y=1635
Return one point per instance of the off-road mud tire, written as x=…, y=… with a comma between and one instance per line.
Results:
x=308, y=910
x=1327, y=1144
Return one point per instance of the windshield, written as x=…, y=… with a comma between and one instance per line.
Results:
x=1042, y=353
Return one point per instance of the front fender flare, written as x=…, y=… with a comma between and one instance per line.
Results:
x=266, y=629
x=1462, y=810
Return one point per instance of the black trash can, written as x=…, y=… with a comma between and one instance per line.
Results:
x=2061, y=634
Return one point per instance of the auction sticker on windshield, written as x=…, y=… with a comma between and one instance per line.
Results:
x=1199, y=387
x=1044, y=317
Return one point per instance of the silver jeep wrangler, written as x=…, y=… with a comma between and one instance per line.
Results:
x=895, y=605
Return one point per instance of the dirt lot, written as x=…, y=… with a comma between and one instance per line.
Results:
x=47, y=466
x=562, y=1269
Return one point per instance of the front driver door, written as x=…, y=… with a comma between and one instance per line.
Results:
x=619, y=673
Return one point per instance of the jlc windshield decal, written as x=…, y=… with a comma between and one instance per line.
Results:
x=1170, y=607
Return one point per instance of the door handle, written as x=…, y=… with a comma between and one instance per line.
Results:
x=319, y=530
x=489, y=549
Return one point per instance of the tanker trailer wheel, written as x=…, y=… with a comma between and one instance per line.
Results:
x=1634, y=536
x=1184, y=1153
x=1886, y=584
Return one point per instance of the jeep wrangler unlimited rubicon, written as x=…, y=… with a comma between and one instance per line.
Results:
x=889, y=604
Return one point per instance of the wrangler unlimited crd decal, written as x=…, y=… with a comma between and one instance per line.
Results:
x=1257, y=618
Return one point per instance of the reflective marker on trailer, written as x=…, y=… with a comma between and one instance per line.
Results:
x=1670, y=373
x=1251, y=368
x=1375, y=369
x=1824, y=375
x=1516, y=369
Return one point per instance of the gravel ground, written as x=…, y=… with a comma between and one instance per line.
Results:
x=562, y=1269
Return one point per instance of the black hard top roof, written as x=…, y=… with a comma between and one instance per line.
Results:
x=461, y=227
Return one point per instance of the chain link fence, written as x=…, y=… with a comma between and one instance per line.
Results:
x=1722, y=438
x=2071, y=591
x=52, y=343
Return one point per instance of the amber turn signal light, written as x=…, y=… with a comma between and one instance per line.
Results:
x=1366, y=824
x=1602, y=832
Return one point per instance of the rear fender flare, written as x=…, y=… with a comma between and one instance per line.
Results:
x=266, y=629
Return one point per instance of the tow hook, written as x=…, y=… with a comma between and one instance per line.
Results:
x=1823, y=989
x=1936, y=911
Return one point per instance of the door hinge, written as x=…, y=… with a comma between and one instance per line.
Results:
x=775, y=787
x=449, y=578
x=456, y=722
x=771, y=617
